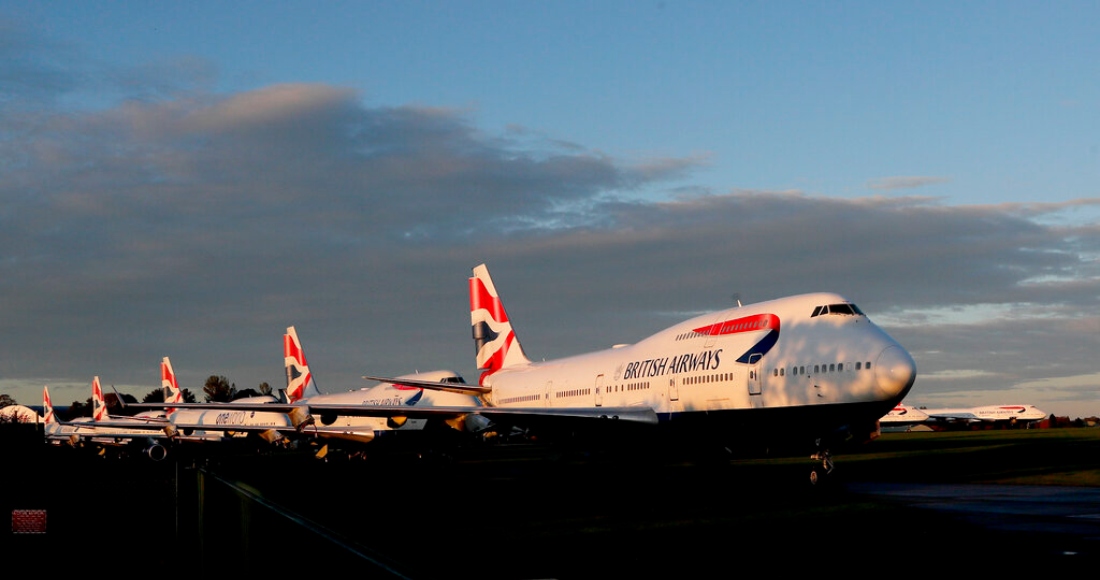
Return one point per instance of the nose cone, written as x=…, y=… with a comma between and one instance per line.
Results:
x=895, y=372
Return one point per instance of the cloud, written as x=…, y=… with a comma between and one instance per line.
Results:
x=905, y=182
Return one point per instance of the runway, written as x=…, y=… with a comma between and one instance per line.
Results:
x=1047, y=523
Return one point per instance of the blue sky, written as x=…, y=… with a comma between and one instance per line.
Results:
x=189, y=179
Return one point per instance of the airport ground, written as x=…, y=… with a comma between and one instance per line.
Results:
x=1028, y=500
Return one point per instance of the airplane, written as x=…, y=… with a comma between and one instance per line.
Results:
x=55, y=430
x=19, y=414
x=333, y=420
x=903, y=417
x=341, y=416
x=215, y=421
x=985, y=414
x=100, y=430
x=810, y=369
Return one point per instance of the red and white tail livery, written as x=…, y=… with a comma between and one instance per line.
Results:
x=172, y=393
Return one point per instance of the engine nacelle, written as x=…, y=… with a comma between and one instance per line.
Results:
x=156, y=452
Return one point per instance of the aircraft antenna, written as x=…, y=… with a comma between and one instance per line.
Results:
x=737, y=298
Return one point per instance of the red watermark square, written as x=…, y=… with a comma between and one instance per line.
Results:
x=28, y=521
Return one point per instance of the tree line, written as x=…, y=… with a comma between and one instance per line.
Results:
x=217, y=389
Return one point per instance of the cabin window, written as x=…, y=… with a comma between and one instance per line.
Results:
x=832, y=367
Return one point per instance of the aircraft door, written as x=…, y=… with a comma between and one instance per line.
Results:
x=599, y=391
x=546, y=396
x=755, y=381
x=673, y=390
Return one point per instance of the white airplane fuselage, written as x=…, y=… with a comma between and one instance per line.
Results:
x=755, y=367
x=219, y=421
x=364, y=429
x=994, y=413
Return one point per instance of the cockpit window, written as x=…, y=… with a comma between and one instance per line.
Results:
x=846, y=309
x=458, y=380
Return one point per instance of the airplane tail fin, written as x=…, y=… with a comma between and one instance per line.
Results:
x=299, y=381
x=172, y=392
x=495, y=341
x=48, y=416
x=99, y=404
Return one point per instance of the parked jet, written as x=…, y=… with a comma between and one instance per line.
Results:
x=811, y=369
x=990, y=413
x=19, y=414
x=903, y=416
x=217, y=421
x=101, y=431
x=340, y=416
x=1006, y=414
x=58, y=432
x=330, y=410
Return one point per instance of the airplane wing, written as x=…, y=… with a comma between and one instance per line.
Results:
x=121, y=426
x=257, y=406
x=954, y=416
x=462, y=388
x=511, y=415
x=638, y=414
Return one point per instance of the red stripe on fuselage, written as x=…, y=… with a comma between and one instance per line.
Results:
x=739, y=325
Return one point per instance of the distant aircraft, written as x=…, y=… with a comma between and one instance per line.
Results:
x=989, y=414
x=19, y=414
x=903, y=416
x=58, y=432
x=217, y=421
x=336, y=414
x=811, y=369
x=1010, y=414
x=345, y=416
x=102, y=431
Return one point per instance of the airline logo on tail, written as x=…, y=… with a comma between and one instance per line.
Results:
x=297, y=369
x=47, y=406
x=168, y=384
x=494, y=338
x=768, y=322
x=99, y=405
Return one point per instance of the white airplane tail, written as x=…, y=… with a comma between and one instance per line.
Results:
x=48, y=415
x=299, y=381
x=172, y=392
x=99, y=404
x=495, y=341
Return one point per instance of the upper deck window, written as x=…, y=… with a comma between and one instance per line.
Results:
x=844, y=308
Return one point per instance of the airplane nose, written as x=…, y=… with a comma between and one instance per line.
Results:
x=895, y=372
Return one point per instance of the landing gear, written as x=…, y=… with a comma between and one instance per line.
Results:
x=819, y=473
